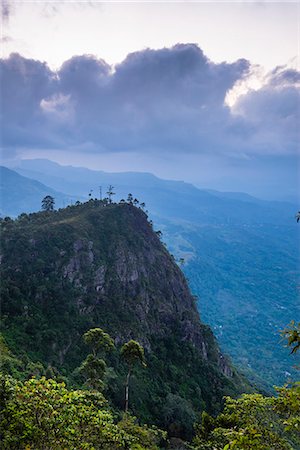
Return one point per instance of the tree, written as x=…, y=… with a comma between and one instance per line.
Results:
x=132, y=352
x=130, y=198
x=98, y=340
x=48, y=203
x=44, y=414
x=94, y=366
x=110, y=192
x=178, y=416
x=253, y=422
x=292, y=334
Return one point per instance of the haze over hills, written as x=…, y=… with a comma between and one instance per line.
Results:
x=20, y=194
x=241, y=256
x=166, y=198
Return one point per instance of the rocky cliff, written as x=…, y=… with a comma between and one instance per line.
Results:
x=66, y=271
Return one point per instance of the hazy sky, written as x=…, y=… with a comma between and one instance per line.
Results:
x=210, y=93
x=263, y=32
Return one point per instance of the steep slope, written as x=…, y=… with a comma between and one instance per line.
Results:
x=241, y=256
x=20, y=194
x=247, y=280
x=89, y=265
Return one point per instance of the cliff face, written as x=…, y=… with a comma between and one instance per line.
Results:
x=67, y=271
x=136, y=276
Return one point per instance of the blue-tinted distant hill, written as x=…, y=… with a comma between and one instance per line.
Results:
x=175, y=200
x=20, y=194
x=241, y=256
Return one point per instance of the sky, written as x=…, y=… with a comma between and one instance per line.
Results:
x=206, y=92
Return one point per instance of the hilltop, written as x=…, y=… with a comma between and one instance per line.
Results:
x=103, y=265
x=240, y=254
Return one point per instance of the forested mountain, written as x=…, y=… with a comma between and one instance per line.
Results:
x=97, y=265
x=240, y=256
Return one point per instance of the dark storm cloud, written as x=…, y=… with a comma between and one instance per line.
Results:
x=168, y=101
x=24, y=84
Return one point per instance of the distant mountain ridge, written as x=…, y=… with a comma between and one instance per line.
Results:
x=176, y=200
x=20, y=194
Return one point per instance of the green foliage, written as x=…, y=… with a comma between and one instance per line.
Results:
x=288, y=406
x=93, y=367
x=44, y=414
x=246, y=277
x=254, y=422
x=292, y=334
x=94, y=370
x=100, y=341
x=70, y=271
x=146, y=436
x=133, y=352
x=178, y=416
x=8, y=362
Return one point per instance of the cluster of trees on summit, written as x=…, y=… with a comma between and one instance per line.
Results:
x=48, y=202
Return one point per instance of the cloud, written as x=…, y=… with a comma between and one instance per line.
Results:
x=5, y=39
x=5, y=10
x=163, y=102
x=273, y=112
x=166, y=100
x=27, y=82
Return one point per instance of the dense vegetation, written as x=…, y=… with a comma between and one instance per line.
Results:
x=101, y=265
x=246, y=278
x=254, y=422
x=62, y=385
x=43, y=414
x=241, y=254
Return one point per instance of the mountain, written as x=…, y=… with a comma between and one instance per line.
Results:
x=174, y=200
x=92, y=265
x=21, y=194
x=240, y=255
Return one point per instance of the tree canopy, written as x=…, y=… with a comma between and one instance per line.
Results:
x=98, y=340
x=48, y=203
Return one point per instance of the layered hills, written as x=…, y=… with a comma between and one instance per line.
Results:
x=240, y=253
x=103, y=265
x=20, y=194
